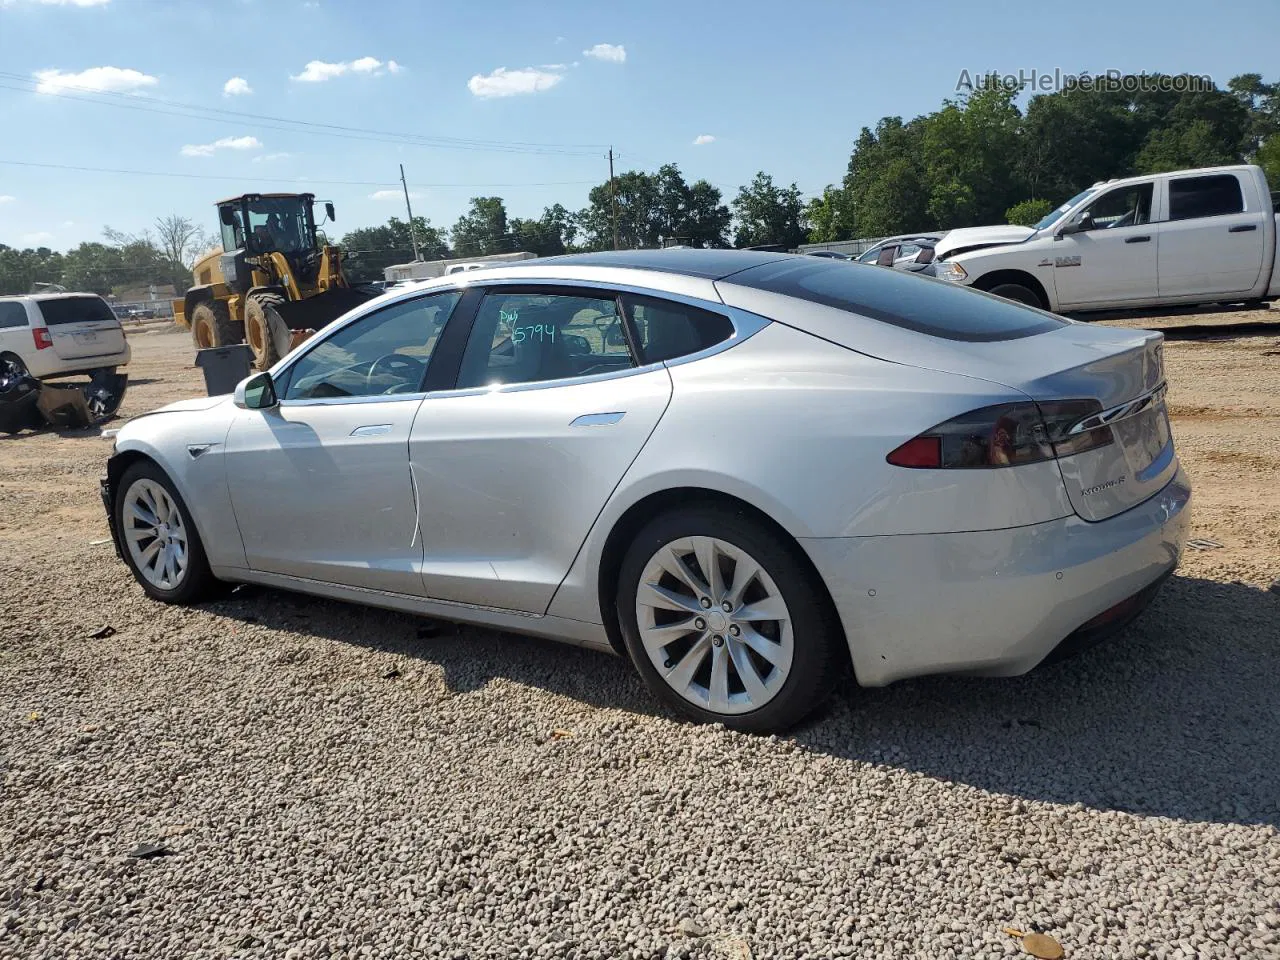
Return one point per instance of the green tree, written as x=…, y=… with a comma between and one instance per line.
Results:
x=829, y=216
x=368, y=251
x=885, y=184
x=1268, y=158
x=20, y=270
x=1262, y=104
x=1028, y=213
x=548, y=236
x=768, y=214
x=1188, y=144
x=653, y=208
x=970, y=158
x=482, y=230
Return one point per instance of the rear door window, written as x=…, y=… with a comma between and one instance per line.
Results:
x=1193, y=197
x=12, y=314
x=76, y=310
x=900, y=298
x=523, y=336
x=665, y=330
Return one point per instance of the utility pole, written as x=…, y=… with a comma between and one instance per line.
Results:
x=613, y=201
x=413, y=234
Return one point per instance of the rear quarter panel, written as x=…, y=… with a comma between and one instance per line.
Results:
x=800, y=428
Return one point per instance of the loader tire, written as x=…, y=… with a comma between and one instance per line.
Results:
x=260, y=316
x=212, y=326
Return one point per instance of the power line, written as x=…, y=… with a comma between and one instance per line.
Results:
x=300, y=181
x=18, y=82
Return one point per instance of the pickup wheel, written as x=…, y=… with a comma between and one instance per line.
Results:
x=1018, y=293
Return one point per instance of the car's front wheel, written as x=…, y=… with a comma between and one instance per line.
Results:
x=159, y=540
x=725, y=622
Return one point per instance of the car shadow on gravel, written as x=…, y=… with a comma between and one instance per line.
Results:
x=1178, y=716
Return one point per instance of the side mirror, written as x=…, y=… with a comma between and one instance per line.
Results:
x=328, y=209
x=227, y=215
x=256, y=393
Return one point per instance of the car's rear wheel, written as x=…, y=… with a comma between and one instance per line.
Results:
x=725, y=622
x=159, y=540
x=1018, y=293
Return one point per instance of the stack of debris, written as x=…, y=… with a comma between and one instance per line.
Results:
x=29, y=404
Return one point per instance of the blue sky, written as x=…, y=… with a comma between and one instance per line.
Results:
x=781, y=87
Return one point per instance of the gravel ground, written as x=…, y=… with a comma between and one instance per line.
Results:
x=332, y=781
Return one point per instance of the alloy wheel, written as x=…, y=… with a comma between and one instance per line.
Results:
x=154, y=534
x=714, y=624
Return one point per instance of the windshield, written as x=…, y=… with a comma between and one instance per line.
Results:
x=1053, y=217
x=279, y=223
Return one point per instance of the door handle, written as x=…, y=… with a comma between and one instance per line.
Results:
x=371, y=430
x=1242, y=228
x=1137, y=239
x=598, y=419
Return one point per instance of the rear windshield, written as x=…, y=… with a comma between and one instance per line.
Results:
x=903, y=299
x=76, y=310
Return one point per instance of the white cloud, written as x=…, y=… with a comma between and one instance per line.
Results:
x=7, y=198
x=236, y=87
x=509, y=83
x=226, y=143
x=268, y=157
x=702, y=139
x=40, y=236
x=616, y=53
x=318, y=71
x=559, y=39
x=394, y=195
x=95, y=80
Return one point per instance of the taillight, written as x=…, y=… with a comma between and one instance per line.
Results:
x=1004, y=435
x=42, y=338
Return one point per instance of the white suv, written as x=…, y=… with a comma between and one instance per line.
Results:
x=56, y=334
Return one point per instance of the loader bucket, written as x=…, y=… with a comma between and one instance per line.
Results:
x=315, y=313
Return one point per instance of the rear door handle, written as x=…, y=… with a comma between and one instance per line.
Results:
x=1242, y=228
x=1137, y=239
x=598, y=419
x=371, y=430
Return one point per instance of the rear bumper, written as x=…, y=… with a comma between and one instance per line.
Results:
x=996, y=602
x=41, y=365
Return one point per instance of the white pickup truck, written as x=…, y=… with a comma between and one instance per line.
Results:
x=1187, y=237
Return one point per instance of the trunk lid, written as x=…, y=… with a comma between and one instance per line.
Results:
x=1123, y=370
x=82, y=327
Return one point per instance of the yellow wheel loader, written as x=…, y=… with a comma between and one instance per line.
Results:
x=272, y=284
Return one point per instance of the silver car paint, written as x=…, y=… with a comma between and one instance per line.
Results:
x=510, y=481
x=826, y=489
x=995, y=602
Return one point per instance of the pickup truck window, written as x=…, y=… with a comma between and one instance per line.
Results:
x=1054, y=216
x=1214, y=196
x=1123, y=207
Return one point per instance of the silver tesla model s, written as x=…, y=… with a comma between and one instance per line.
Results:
x=745, y=471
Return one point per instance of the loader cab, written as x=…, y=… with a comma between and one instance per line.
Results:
x=261, y=223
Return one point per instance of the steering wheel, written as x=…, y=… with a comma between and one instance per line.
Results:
x=397, y=365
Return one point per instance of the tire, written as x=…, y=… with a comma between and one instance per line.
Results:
x=15, y=363
x=1018, y=293
x=803, y=645
x=212, y=326
x=189, y=583
x=260, y=315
